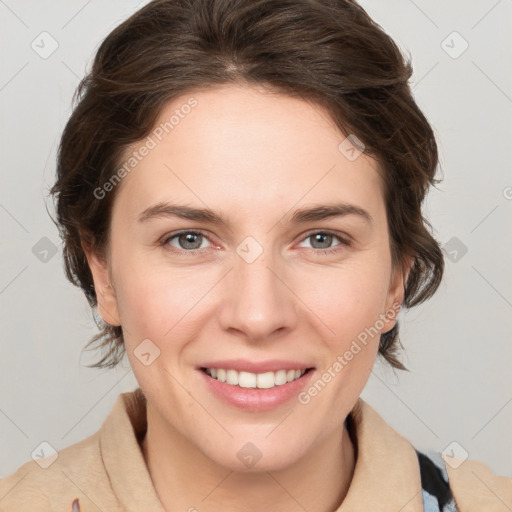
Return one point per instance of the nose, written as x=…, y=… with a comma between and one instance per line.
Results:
x=258, y=301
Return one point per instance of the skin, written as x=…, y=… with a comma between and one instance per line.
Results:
x=254, y=156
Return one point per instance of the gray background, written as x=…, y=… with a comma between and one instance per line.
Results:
x=458, y=345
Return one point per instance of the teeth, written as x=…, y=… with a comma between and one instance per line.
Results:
x=232, y=377
x=280, y=377
x=247, y=380
x=265, y=380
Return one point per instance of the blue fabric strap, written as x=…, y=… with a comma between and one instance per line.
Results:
x=436, y=492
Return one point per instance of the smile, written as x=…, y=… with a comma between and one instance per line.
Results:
x=265, y=380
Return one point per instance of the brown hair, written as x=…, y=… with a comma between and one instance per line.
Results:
x=329, y=52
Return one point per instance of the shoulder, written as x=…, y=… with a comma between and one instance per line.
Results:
x=455, y=485
x=53, y=482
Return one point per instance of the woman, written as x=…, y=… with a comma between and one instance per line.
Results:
x=239, y=194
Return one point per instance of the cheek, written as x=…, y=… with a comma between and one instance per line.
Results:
x=347, y=299
x=158, y=306
x=157, y=303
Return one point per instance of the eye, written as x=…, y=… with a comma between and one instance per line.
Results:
x=322, y=240
x=192, y=242
x=187, y=241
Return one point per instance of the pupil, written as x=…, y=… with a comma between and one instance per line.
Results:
x=319, y=236
x=189, y=239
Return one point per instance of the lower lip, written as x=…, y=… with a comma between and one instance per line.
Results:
x=255, y=399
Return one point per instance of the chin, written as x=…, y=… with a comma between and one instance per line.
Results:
x=243, y=455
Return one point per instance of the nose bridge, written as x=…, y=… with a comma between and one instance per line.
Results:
x=258, y=302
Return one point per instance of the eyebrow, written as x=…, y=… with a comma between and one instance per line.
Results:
x=300, y=216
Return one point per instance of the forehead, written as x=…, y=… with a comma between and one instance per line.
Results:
x=245, y=148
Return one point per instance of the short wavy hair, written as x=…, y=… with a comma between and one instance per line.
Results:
x=329, y=52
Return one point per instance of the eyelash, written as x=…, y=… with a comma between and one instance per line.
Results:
x=344, y=242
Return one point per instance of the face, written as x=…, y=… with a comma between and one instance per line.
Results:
x=270, y=289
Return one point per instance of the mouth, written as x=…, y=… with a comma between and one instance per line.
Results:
x=266, y=387
x=250, y=380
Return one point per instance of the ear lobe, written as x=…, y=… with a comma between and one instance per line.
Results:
x=396, y=294
x=105, y=293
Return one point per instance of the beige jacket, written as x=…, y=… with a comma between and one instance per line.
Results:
x=107, y=472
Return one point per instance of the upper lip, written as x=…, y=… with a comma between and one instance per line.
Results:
x=244, y=365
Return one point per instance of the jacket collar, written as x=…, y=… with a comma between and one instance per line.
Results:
x=386, y=476
x=122, y=454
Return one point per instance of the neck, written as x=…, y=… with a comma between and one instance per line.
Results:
x=185, y=479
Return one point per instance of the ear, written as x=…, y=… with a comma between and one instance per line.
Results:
x=396, y=292
x=105, y=293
